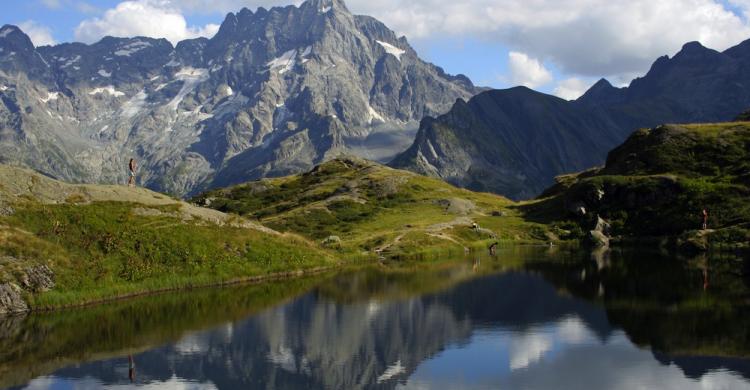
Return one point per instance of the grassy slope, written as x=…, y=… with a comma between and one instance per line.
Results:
x=658, y=182
x=372, y=208
x=100, y=248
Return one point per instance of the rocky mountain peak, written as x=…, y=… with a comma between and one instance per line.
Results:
x=695, y=52
x=13, y=36
x=17, y=53
x=275, y=91
x=602, y=92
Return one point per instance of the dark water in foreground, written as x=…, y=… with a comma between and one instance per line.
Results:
x=528, y=319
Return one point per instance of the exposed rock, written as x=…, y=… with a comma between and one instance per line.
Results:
x=11, y=300
x=273, y=92
x=333, y=242
x=6, y=210
x=38, y=278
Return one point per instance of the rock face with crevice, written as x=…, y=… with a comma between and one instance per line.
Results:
x=274, y=92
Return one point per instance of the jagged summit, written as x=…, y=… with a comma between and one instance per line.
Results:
x=274, y=92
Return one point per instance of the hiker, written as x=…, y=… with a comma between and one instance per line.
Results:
x=705, y=219
x=132, y=166
x=493, y=249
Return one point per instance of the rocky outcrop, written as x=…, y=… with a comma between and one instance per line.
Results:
x=22, y=278
x=37, y=278
x=657, y=184
x=11, y=299
x=275, y=92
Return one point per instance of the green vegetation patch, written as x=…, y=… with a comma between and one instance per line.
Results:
x=111, y=248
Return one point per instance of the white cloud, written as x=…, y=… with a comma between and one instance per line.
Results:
x=571, y=88
x=590, y=38
x=527, y=71
x=150, y=18
x=585, y=37
x=39, y=34
x=581, y=38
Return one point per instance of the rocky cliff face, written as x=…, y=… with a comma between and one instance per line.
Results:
x=514, y=142
x=274, y=92
x=511, y=142
x=658, y=182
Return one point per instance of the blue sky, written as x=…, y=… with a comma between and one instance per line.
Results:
x=556, y=46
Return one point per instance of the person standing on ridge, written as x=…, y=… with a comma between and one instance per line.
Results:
x=132, y=166
x=704, y=214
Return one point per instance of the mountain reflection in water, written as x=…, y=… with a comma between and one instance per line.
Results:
x=527, y=319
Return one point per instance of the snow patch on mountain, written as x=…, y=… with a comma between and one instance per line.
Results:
x=104, y=73
x=191, y=78
x=4, y=32
x=110, y=89
x=131, y=48
x=286, y=62
x=70, y=61
x=50, y=96
x=390, y=49
x=374, y=116
x=135, y=105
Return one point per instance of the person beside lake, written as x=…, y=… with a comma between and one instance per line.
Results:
x=132, y=166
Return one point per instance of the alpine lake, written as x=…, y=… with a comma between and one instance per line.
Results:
x=526, y=318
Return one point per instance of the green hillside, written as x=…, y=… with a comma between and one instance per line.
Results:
x=360, y=207
x=657, y=184
x=66, y=244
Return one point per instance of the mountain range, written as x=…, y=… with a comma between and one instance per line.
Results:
x=274, y=92
x=515, y=141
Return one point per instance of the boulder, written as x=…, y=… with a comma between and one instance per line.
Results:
x=332, y=242
x=11, y=300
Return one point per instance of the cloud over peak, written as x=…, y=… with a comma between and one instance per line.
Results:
x=149, y=18
x=40, y=35
x=527, y=71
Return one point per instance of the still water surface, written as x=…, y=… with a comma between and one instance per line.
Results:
x=526, y=319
